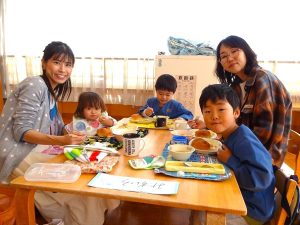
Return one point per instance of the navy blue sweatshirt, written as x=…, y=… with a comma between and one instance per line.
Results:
x=252, y=166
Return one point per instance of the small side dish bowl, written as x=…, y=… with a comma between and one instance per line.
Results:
x=181, y=152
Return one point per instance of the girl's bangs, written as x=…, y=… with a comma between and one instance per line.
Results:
x=91, y=102
x=63, y=57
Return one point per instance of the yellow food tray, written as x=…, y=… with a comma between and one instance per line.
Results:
x=170, y=125
x=195, y=167
x=142, y=120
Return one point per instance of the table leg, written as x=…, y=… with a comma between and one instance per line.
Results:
x=196, y=217
x=208, y=218
x=213, y=218
x=25, y=207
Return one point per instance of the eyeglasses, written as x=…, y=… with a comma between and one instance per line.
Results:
x=234, y=52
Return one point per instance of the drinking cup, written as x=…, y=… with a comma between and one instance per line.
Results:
x=132, y=144
x=161, y=121
x=181, y=125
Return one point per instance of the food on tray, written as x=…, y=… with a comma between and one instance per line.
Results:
x=104, y=132
x=205, y=145
x=136, y=116
x=199, y=143
x=205, y=133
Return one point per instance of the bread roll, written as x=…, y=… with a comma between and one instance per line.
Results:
x=104, y=132
x=199, y=143
x=203, y=133
x=136, y=116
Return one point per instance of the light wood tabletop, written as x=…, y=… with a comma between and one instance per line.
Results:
x=216, y=198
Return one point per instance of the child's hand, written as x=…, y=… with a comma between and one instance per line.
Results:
x=224, y=154
x=196, y=124
x=106, y=121
x=149, y=111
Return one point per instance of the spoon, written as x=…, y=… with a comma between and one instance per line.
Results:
x=153, y=114
x=187, y=164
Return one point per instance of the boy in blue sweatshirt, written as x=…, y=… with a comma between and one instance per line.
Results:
x=242, y=151
x=163, y=104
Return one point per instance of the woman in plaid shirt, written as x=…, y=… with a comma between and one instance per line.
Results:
x=265, y=103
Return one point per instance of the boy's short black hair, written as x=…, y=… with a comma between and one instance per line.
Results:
x=166, y=82
x=217, y=92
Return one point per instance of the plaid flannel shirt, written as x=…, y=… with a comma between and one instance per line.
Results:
x=267, y=111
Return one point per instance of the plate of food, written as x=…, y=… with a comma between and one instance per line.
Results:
x=204, y=133
x=104, y=132
x=205, y=145
x=137, y=118
x=120, y=129
x=123, y=129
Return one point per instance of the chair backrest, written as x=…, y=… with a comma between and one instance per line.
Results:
x=294, y=148
x=1, y=97
x=280, y=214
x=7, y=205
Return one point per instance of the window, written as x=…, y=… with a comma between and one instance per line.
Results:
x=105, y=35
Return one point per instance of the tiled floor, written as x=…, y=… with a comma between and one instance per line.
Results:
x=143, y=214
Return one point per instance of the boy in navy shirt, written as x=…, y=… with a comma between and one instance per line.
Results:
x=242, y=151
x=163, y=104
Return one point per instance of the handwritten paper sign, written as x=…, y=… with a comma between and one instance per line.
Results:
x=103, y=180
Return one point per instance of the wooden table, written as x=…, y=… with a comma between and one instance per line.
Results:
x=215, y=198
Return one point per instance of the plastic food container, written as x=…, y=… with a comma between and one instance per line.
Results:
x=53, y=172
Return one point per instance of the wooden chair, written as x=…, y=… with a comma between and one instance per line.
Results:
x=291, y=163
x=1, y=96
x=280, y=214
x=294, y=148
x=7, y=205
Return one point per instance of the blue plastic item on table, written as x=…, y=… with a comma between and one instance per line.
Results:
x=179, y=140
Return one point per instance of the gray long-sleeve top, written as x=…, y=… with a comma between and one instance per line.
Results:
x=26, y=108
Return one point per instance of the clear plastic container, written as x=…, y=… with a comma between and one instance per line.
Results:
x=53, y=172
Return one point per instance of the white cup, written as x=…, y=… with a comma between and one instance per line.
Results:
x=181, y=125
x=132, y=144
